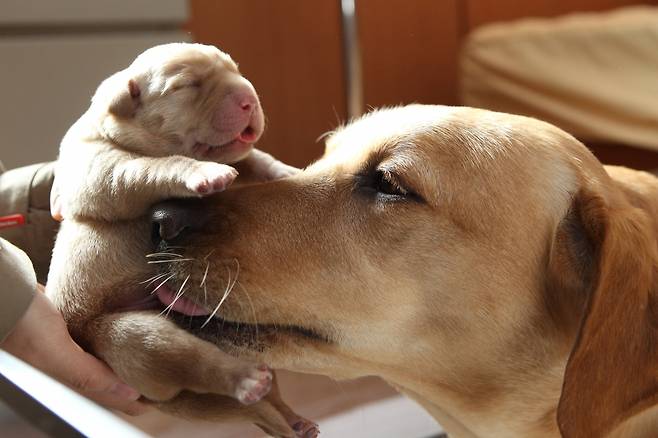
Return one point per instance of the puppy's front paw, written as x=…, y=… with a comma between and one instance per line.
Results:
x=211, y=178
x=254, y=385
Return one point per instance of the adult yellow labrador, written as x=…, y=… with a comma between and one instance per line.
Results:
x=485, y=264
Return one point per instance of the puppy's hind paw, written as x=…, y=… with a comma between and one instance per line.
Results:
x=306, y=429
x=210, y=178
x=255, y=385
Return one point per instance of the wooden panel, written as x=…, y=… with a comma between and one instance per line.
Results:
x=409, y=51
x=479, y=12
x=622, y=155
x=291, y=51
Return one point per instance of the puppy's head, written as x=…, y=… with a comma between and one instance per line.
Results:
x=185, y=99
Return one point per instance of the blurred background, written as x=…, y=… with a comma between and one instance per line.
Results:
x=589, y=66
x=298, y=55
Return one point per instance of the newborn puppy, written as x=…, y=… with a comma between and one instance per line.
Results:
x=166, y=126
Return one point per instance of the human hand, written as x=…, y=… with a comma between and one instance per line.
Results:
x=41, y=339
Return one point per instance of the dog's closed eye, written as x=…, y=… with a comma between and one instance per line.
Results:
x=386, y=185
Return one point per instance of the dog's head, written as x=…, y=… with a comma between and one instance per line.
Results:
x=461, y=254
x=181, y=99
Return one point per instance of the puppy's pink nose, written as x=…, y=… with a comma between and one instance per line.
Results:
x=246, y=100
x=239, y=114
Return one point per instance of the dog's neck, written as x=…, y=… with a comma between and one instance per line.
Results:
x=455, y=427
x=517, y=409
x=523, y=406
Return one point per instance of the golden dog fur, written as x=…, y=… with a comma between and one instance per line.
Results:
x=485, y=264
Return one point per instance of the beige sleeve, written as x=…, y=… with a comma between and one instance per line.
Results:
x=26, y=191
x=18, y=283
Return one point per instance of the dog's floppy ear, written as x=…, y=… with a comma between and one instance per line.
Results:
x=609, y=247
x=125, y=102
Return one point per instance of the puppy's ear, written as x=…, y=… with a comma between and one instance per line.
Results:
x=125, y=102
x=604, y=263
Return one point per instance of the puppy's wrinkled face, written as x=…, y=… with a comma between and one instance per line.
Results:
x=417, y=238
x=185, y=99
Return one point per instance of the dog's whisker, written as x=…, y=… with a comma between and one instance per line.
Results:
x=227, y=291
x=182, y=286
x=209, y=254
x=232, y=284
x=163, y=254
x=150, y=262
x=161, y=284
x=156, y=279
x=179, y=294
x=205, y=274
x=228, y=281
x=214, y=312
x=237, y=274
x=150, y=280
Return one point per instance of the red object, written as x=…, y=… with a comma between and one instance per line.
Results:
x=13, y=220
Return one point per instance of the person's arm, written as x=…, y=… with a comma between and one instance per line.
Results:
x=25, y=192
x=31, y=328
x=17, y=287
x=40, y=338
x=19, y=281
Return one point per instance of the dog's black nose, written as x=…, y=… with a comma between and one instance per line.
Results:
x=171, y=220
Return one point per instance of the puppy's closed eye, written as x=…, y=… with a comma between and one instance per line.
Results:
x=181, y=83
x=187, y=85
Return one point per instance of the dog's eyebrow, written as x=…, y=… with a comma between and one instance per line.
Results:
x=373, y=160
x=405, y=160
x=413, y=167
x=401, y=156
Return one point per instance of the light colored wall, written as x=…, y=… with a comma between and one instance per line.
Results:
x=53, y=55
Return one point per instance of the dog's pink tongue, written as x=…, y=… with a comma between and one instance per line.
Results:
x=181, y=305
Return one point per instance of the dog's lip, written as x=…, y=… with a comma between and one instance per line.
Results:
x=223, y=332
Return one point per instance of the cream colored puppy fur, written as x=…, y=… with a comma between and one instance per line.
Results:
x=166, y=126
x=163, y=127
